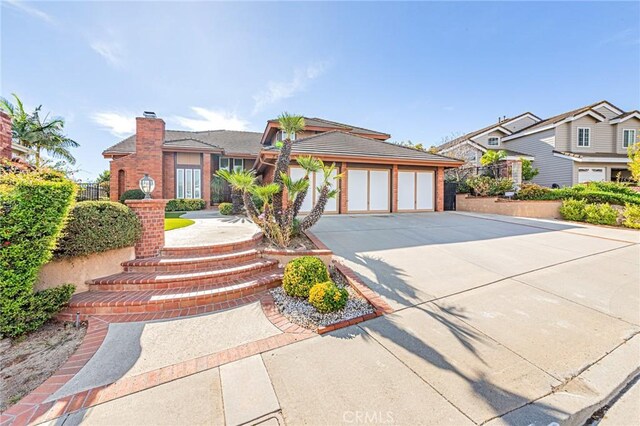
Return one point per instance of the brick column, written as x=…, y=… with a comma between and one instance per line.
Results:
x=343, y=188
x=5, y=135
x=151, y=215
x=440, y=189
x=206, y=179
x=394, y=189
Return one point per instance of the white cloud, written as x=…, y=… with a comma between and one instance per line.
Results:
x=117, y=123
x=30, y=10
x=278, y=90
x=111, y=51
x=211, y=120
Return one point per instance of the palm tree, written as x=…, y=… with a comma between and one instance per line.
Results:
x=242, y=181
x=491, y=159
x=39, y=134
x=290, y=124
x=327, y=192
x=310, y=165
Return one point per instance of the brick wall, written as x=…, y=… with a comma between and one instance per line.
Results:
x=169, y=175
x=206, y=178
x=394, y=189
x=151, y=215
x=5, y=136
x=344, y=170
x=440, y=189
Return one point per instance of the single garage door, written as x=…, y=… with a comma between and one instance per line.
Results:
x=368, y=191
x=315, y=180
x=416, y=191
x=591, y=175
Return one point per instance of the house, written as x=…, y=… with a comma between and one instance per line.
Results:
x=379, y=176
x=586, y=144
x=8, y=148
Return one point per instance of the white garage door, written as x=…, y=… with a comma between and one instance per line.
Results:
x=591, y=175
x=415, y=191
x=368, y=190
x=315, y=180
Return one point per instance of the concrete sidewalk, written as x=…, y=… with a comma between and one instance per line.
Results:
x=210, y=227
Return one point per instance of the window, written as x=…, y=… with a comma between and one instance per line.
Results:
x=493, y=141
x=284, y=135
x=223, y=163
x=238, y=164
x=584, y=136
x=189, y=182
x=628, y=137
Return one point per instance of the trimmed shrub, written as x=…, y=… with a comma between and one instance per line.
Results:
x=301, y=274
x=328, y=297
x=184, y=205
x=631, y=215
x=500, y=186
x=615, y=187
x=480, y=185
x=573, y=210
x=532, y=191
x=97, y=226
x=132, y=194
x=225, y=208
x=601, y=214
x=33, y=209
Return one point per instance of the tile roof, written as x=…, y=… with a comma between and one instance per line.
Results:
x=321, y=122
x=230, y=141
x=340, y=143
x=590, y=154
x=560, y=117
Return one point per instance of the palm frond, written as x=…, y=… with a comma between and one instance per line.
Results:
x=291, y=123
x=242, y=180
x=309, y=164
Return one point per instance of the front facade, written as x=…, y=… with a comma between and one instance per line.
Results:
x=586, y=144
x=379, y=176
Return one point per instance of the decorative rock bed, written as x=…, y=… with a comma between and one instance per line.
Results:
x=299, y=311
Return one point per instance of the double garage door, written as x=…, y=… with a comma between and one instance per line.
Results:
x=591, y=175
x=370, y=190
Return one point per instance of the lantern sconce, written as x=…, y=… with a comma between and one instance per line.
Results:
x=147, y=185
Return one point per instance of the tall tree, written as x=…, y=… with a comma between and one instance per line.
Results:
x=42, y=134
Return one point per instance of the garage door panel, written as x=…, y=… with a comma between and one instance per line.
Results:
x=591, y=175
x=424, y=191
x=357, y=187
x=379, y=190
x=406, y=190
x=297, y=173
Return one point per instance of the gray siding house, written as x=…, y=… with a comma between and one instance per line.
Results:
x=586, y=144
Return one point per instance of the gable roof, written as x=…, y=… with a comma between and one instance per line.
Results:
x=624, y=117
x=228, y=141
x=334, y=125
x=344, y=144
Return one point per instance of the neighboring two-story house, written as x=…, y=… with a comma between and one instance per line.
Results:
x=586, y=144
x=378, y=176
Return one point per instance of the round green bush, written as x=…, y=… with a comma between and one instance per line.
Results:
x=132, y=194
x=225, y=208
x=328, y=297
x=97, y=226
x=301, y=274
x=601, y=214
x=573, y=209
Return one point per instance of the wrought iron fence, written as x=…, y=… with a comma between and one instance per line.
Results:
x=93, y=191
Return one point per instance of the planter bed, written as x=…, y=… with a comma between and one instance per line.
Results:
x=306, y=244
x=299, y=311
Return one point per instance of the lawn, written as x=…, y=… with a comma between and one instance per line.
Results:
x=172, y=220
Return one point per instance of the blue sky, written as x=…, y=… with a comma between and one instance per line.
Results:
x=419, y=71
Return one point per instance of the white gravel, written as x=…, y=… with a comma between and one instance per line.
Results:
x=300, y=311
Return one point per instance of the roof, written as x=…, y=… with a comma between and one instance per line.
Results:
x=557, y=118
x=229, y=141
x=590, y=154
x=341, y=143
x=511, y=153
x=321, y=122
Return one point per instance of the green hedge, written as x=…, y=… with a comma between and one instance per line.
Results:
x=184, y=205
x=225, y=208
x=594, y=193
x=97, y=226
x=33, y=209
x=132, y=194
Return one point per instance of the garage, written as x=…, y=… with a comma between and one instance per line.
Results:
x=591, y=175
x=368, y=191
x=315, y=180
x=416, y=190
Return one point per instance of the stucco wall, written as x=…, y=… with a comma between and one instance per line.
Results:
x=491, y=205
x=78, y=270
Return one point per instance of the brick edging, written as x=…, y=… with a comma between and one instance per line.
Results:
x=363, y=290
x=315, y=240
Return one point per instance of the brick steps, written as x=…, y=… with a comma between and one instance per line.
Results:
x=140, y=281
x=131, y=302
x=174, y=264
x=212, y=249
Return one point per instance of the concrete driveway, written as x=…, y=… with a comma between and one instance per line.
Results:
x=502, y=320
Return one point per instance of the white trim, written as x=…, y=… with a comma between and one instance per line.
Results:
x=531, y=132
x=635, y=134
x=467, y=142
x=518, y=157
x=498, y=127
x=608, y=106
x=22, y=148
x=592, y=159
x=588, y=140
x=583, y=114
x=622, y=120
x=527, y=115
x=220, y=163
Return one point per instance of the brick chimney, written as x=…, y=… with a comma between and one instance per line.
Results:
x=5, y=136
x=149, y=140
